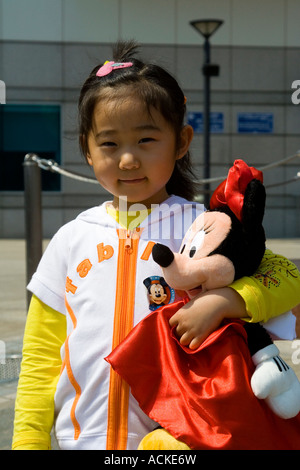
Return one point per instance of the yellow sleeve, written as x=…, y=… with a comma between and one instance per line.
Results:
x=44, y=335
x=273, y=289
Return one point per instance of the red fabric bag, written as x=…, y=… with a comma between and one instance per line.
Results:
x=202, y=397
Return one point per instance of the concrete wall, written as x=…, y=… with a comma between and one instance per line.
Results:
x=47, y=48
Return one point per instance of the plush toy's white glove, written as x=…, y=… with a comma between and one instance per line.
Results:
x=274, y=381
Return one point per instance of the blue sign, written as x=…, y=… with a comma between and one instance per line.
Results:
x=195, y=119
x=255, y=123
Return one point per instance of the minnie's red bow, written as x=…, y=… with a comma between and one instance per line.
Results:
x=231, y=191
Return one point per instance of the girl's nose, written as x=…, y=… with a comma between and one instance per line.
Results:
x=128, y=161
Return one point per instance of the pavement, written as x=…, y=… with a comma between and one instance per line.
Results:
x=13, y=307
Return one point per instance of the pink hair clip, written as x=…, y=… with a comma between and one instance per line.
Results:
x=109, y=66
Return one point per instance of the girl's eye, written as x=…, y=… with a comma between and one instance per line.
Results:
x=145, y=140
x=108, y=144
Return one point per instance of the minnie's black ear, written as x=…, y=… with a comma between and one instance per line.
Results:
x=254, y=205
x=252, y=217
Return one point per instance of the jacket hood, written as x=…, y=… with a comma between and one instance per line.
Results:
x=169, y=219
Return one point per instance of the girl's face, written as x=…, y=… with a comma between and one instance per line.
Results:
x=133, y=153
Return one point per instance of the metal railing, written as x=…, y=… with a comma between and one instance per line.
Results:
x=33, y=165
x=10, y=369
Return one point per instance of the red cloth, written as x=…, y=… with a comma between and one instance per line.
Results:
x=231, y=191
x=202, y=397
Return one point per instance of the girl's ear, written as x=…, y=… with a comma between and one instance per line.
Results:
x=84, y=146
x=88, y=159
x=186, y=137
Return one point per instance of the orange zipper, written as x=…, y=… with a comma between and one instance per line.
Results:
x=118, y=400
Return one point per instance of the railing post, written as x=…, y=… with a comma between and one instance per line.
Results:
x=33, y=216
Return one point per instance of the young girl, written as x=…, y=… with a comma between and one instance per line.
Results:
x=88, y=291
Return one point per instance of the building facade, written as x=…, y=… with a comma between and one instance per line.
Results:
x=48, y=47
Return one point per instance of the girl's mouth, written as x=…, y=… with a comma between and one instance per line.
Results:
x=133, y=180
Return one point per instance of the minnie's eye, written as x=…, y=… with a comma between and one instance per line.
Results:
x=182, y=249
x=197, y=243
x=192, y=251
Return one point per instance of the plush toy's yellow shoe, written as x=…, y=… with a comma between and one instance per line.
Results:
x=160, y=439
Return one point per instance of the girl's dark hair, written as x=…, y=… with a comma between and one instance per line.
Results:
x=157, y=89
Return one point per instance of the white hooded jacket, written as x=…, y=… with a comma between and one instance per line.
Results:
x=93, y=271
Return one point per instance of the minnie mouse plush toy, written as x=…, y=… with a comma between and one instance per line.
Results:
x=233, y=391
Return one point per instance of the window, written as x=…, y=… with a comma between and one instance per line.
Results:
x=25, y=129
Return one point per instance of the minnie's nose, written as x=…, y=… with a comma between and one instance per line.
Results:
x=162, y=255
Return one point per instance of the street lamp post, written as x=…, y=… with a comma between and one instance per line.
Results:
x=207, y=28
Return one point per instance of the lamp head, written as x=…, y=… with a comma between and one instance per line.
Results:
x=206, y=27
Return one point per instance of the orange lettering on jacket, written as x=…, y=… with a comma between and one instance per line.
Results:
x=84, y=267
x=69, y=286
x=104, y=252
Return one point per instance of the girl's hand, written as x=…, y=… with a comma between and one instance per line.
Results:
x=204, y=313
